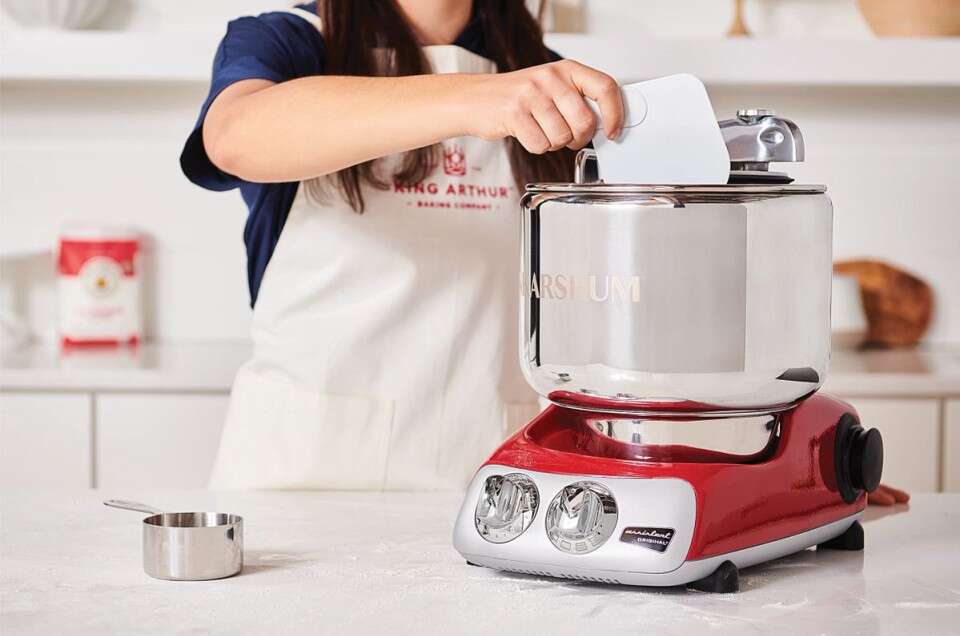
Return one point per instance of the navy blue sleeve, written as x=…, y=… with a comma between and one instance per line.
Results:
x=277, y=46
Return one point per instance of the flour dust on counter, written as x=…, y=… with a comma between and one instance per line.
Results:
x=373, y=563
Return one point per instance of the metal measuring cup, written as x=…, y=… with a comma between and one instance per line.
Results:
x=188, y=546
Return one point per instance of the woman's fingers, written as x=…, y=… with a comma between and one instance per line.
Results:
x=530, y=135
x=604, y=90
x=579, y=117
x=545, y=107
x=887, y=496
x=900, y=496
x=880, y=498
x=553, y=124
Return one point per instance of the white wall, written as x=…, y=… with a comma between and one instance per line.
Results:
x=711, y=18
x=109, y=152
x=889, y=158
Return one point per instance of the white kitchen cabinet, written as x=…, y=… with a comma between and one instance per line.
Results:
x=951, y=446
x=911, y=439
x=45, y=441
x=157, y=441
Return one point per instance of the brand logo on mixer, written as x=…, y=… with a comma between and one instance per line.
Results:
x=454, y=161
x=656, y=539
x=582, y=287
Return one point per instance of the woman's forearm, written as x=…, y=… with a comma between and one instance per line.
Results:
x=292, y=131
x=313, y=126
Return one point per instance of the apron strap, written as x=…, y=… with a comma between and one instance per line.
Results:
x=309, y=16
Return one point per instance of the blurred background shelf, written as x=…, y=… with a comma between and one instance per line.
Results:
x=209, y=366
x=185, y=56
x=107, y=56
x=188, y=367
x=754, y=61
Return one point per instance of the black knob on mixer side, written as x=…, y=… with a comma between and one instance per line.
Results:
x=858, y=458
x=866, y=458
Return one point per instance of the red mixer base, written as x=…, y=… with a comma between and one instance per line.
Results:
x=692, y=516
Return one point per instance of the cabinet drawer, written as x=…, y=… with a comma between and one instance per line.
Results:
x=951, y=446
x=44, y=441
x=157, y=441
x=911, y=440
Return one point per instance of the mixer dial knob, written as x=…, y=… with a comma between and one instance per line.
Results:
x=581, y=517
x=506, y=508
x=866, y=459
x=858, y=458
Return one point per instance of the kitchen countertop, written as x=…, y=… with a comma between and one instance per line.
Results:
x=382, y=563
x=183, y=367
x=922, y=372
x=210, y=367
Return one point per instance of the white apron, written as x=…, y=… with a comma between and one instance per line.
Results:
x=385, y=343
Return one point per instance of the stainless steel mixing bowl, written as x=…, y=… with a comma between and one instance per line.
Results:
x=693, y=299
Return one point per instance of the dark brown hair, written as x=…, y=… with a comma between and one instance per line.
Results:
x=512, y=38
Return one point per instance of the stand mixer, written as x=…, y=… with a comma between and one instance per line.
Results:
x=680, y=333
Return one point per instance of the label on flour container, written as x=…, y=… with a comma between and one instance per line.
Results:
x=99, y=287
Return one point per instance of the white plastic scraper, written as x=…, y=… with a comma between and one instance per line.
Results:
x=670, y=135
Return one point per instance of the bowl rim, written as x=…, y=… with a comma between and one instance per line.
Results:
x=640, y=188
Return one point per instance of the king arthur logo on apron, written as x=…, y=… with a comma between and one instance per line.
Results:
x=454, y=161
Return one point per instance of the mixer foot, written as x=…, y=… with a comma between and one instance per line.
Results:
x=851, y=539
x=724, y=580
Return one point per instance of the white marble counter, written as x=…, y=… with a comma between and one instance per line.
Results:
x=375, y=563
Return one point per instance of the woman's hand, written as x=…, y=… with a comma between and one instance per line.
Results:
x=887, y=496
x=544, y=106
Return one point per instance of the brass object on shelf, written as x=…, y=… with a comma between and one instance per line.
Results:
x=917, y=18
x=738, y=28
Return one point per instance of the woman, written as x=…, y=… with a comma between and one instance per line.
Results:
x=381, y=148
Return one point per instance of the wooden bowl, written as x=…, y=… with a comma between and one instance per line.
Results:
x=898, y=305
x=906, y=18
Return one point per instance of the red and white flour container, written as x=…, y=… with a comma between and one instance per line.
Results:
x=99, y=281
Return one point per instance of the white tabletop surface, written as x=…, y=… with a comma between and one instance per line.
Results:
x=382, y=563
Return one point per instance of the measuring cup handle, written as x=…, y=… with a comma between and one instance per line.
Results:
x=132, y=505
